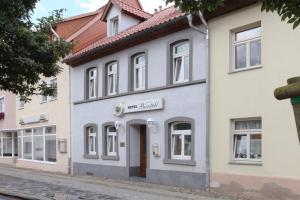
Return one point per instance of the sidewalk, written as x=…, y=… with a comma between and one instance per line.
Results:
x=45, y=186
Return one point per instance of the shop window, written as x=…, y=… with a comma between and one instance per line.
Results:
x=247, y=48
x=247, y=140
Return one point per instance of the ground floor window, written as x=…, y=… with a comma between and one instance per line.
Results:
x=111, y=141
x=38, y=144
x=8, y=144
x=181, y=140
x=247, y=140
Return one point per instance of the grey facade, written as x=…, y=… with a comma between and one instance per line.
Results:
x=180, y=101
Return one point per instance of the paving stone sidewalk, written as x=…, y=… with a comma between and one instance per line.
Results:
x=45, y=186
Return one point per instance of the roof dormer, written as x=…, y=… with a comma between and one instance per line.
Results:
x=123, y=14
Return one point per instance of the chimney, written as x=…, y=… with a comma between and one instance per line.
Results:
x=160, y=8
x=155, y=10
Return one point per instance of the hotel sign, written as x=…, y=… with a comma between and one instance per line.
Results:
x=139, y=106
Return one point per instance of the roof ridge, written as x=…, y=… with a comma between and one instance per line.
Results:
x=132, y=6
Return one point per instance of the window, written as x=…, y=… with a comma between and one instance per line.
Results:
x=92, y=140
x=8, y=144
x=111, y=141
x=247, y=48
x=37, y=144
x=139, y=72
x=92, y=83
x=181, y=141
x=181, y=62
x=21, y=103
x=111, y=78
x=1, y=104
x=53, y=85
x=114, y=29
x=247, y=140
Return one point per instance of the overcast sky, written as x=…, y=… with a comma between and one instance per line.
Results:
x=75, y=7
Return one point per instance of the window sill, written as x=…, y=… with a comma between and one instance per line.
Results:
x=105, y=157
x=246, y=162
x=91, y=156
x=180, y=162
x=245, y=69
x=21, y=108
x=52, y=100
x=43, y=102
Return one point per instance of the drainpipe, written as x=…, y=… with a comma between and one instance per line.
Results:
x=190, y=20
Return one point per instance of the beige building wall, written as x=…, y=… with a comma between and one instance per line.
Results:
x=9, y=121
x=250, y=94
x=58, y=114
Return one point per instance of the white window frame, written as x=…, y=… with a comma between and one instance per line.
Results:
x=94, y=86
x=2, y=98
x=113, y=135
x=21, y=103
x=114, y=74
x=182, y=134
x=182, y=56
x=12, y=144
x=247, y=42
x=114, y=26
x=141, y=67
x=248, y=133
x=53, y=81
x=92, y=135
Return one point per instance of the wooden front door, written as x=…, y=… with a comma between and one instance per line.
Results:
x=143, y=151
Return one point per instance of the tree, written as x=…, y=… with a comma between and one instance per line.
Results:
x=27, y=54
x=287, y=9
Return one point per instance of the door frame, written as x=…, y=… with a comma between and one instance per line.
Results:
x=137, y=122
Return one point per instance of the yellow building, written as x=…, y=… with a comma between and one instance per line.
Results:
x=253, y=136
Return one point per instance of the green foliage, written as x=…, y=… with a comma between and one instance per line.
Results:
x=288, y=9
x=27, y=55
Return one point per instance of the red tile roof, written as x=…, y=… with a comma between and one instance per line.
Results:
x=157, y=19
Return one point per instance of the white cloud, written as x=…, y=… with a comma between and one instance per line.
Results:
x=148, y=5
x=90, y=5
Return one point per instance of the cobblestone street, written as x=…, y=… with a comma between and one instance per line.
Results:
x=40, y=185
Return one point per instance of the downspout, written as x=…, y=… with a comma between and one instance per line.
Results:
x=204, y=22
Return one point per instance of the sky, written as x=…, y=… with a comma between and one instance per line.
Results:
x=75, y=7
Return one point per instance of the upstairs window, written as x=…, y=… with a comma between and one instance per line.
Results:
x=247, y=140
x=21, y=103
x=92, y=83
x=114, y=26
x=139, y=72
x=53, y=84
x=247, y=48
x=111, y=78
x=181, y=62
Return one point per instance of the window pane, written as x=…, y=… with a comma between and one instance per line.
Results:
x=182, y=126
x=248, y=34
x=112, y=129
x=7, y=145
x=246, y=125
x=50, y=145
x=50, y=130
x=0, y=147
x=38, y=131
x=91, y=129
x=240, y=56
x=110, y=84
x=54, y=86
x=240, y=142
x=110, y=143
x=137, y=77
x=182, y=48
x=255, y=53
x=27, y=147
x=176, y=144
x=187, y=145
x=178, y=69
x=27, y=132
x=255, y=146
x=91, y=144
x=186, y=67
x=38, y=148
x=92, y=91
x=15, y=138
x=19, y=147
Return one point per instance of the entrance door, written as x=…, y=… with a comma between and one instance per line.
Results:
x=143, y=150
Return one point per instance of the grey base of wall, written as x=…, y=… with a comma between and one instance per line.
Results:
x=177, y=178
x=163, y=177
x=100, y=170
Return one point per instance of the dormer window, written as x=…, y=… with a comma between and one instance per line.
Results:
x=114, y=26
